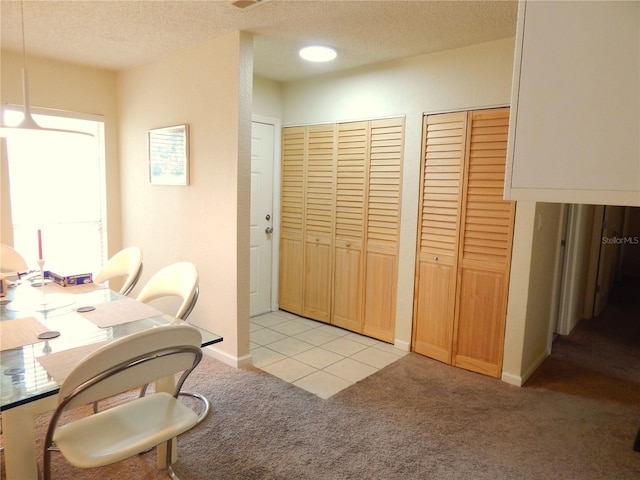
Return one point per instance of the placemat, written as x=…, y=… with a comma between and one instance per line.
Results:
x=123, y=310
x=20, y=332
x=59, y=364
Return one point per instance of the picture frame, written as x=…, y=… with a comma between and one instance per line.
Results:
x=168, y=149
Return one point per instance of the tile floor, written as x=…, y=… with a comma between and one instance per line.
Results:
x=315, y=356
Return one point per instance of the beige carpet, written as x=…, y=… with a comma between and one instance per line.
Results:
x=419, y=419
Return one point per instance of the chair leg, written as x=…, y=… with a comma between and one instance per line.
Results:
x=205, y=403
x=170, y=471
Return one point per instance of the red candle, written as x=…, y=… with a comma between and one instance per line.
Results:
x=39, y=244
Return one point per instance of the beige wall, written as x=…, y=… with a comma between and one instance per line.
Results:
x=207, y=223
x=69, y=87
x=530, y=314
x=267, y=98
x=473, y=77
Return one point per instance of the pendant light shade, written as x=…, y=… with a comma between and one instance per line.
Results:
x=28, y=124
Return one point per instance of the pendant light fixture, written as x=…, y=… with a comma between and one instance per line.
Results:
x=28, y=124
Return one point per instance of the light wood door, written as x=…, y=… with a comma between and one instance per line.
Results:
x=485, y=246
x=464, y=251
x=319, y=222
x=292, y=219
x=383, y=227
x=437, y=257
x=351, y=187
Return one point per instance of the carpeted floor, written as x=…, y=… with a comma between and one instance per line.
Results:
x=575, y=419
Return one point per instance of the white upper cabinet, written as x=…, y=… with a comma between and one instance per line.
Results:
x=574, y=133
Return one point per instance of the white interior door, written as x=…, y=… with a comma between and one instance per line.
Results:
x=262, y=156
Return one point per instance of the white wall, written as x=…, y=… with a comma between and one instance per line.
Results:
x=206, y=222
x=473, y=77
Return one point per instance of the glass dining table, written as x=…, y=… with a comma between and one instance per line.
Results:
x=44, y=332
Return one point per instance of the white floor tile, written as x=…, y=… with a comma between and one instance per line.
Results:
x=263, y=356
x=318, y=357
x=338, y=332
x=268, y=320
x=362, y=339
x=322, y=384
x=289, y=369
x=290, y=346
x=285, y=315
x=387, y=347
x=375, y=357
x=344, y=347
x=291, y=327
x=316, y=336
x=254, y=327
x=266, y=336
x=351, y=370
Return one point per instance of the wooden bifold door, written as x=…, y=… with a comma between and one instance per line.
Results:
x=340, y=223
x=464, y=243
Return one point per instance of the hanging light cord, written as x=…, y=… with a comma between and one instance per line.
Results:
x=24, y=48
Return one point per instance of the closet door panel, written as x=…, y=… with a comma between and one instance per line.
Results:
x=319, y=222
x=317, y=276
x=380, y=296
x=485, y=251
x=439, y=216
x=350, y=215
x=479, y=336
x=435, y=294
x=292, y=219
x=383, y=227
x=347, y=286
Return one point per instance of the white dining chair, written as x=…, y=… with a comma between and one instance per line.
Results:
x=126, y=263
x=134, y=425
x=181, y=280
x=11, y=261
x=176, y=280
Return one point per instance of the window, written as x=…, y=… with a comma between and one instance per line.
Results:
x=57, y=185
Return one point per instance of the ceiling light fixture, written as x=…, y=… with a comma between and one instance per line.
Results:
x=28, y=124
x=318, y=53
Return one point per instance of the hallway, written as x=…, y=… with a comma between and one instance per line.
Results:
x=600, y=358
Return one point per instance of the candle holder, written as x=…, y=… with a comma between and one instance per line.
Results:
x=42, y=281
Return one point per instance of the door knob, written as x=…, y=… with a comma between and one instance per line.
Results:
x=268, y=230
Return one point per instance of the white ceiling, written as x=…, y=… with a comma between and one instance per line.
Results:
x=121, y=34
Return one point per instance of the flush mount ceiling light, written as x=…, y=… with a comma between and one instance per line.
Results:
x=318, y=53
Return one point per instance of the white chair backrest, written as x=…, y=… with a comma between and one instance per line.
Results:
x=124, y=352
x=179, y=280
x=11, y=261
x=126, y=263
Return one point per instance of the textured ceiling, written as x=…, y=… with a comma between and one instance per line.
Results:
x=120, y=34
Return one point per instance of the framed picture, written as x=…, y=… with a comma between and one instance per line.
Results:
x=169, y=155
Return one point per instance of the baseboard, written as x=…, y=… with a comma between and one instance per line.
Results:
x=519, y=380
x=235, y=362
x=402, y=345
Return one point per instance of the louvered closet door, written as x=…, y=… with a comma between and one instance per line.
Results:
x=351, y=186
x=383, y=227
x=485, y=251
x=292, y=218
x=440, y=209
x=318, y=215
